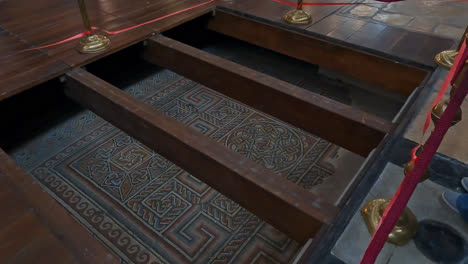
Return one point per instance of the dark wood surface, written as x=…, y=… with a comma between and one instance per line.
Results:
x=328, y=119
x=19, y=72
x=26, y=240
x=25, y=24
x=246, y=182
x=34, y=228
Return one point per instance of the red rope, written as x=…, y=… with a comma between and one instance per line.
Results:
x=409, y=183
x=154, y=20
x=84, y=33
x=413, y=153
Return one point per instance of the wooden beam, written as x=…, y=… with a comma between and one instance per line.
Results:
x=285, y=205
x=362, y=66
x=341, y=124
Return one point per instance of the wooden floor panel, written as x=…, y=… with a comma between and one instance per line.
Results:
x=146, y=11
x=12, y=207
x=19, y=235
x=46, y=250
x=22, y=71
x=61, y=30
x=23, y=237
x=46, y=22
x=37, y=224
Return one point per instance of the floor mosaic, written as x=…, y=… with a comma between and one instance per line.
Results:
x=148, y=210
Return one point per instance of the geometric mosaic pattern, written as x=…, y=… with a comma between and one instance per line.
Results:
x=148, y=210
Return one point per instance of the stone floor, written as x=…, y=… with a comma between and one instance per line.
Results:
x=440, y=17
x=443, y=18
x=425, y=204
x=454, y=144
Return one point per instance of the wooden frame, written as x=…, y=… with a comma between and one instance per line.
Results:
x=326, y=118
x=241, y=179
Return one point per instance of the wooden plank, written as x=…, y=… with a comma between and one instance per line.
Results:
x=331, y=120
x=151, y=10
x=28, y=241
x=288, y=207
x=62, y=29
x=49, y=21
x=47, y=250
x=53, y=216
x=22, y=71
x=19, y=235
x=46, y=22
x=12, y=207
x=368, y=68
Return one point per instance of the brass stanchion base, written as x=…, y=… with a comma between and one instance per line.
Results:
x=93, y=44
x=298, y=16
x=409, y=166
x=405, y=229
x=439, y=109
x=446, y=58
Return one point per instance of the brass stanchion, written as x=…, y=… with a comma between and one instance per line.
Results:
x=405, y=229
x=407, y=225
x=446, y=58
x=298, y=16
x=409, y=166
x=439, y=109
x=91, y=43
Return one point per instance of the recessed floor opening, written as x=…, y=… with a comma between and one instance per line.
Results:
x=129, y=183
